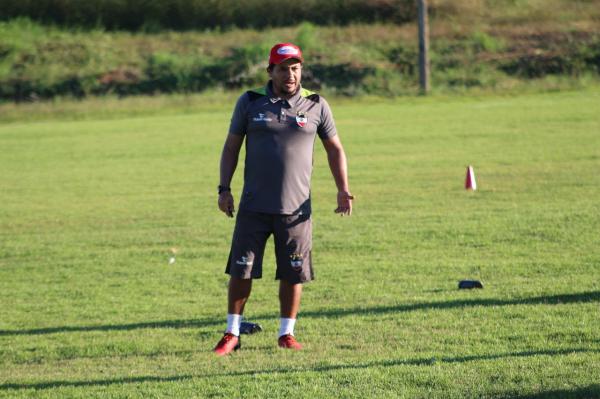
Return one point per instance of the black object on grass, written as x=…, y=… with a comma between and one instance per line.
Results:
x=249, y=328
x=469, y=284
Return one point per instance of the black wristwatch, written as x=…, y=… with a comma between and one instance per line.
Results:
x=222, y=189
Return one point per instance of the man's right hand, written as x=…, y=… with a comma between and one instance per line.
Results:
x=226, y=203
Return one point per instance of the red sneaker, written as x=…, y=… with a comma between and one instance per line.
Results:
x=289, y=342
x=227, y=344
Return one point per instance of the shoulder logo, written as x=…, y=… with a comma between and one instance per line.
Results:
x=301, y=119
x=287, y=50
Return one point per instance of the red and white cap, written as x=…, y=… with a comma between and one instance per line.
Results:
x=284, y=51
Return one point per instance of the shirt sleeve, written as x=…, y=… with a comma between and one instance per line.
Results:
x=239, y=119
x=326, y=128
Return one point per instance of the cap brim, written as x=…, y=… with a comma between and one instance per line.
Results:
x=288, y=58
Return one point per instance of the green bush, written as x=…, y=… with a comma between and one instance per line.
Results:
x=481, y=41
x=306, y=37
x=405, y=59
x=590, y=55
x=541, y=64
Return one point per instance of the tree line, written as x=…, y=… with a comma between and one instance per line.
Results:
x=156, y=15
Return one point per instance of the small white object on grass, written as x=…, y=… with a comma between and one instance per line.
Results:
x=173, y=252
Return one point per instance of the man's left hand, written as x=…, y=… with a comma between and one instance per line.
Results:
x=344, y=201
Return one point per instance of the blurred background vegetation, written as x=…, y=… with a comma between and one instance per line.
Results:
x=51, y=48
x=156, y=15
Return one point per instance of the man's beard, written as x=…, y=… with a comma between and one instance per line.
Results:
x=288, y=90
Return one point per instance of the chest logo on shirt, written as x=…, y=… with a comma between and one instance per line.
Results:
x=301, y=119
x=261, y=118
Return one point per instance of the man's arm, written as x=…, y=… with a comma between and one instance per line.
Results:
x=229, y=160
x=339, y=169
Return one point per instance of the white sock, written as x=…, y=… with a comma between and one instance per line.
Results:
x=233, y=324
x=286, y=326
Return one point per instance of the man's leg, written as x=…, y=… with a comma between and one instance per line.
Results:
x=293, y=241
x=289, y=299
x=238, y=294
x=245, y=263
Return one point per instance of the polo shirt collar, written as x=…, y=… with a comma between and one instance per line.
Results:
x=292, y=101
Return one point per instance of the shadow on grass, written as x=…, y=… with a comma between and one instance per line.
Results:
x=323, y=368
x=190, y=323
x=588, y=392
x=583, y=297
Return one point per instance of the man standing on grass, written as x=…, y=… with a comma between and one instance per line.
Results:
x=280, y=122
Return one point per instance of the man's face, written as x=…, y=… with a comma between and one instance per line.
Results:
x=286, y=77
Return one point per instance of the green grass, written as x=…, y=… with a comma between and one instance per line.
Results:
x=90, y=209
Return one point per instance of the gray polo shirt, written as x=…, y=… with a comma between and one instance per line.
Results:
x=280, y=136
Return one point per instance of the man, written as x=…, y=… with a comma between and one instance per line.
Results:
x=280, y=122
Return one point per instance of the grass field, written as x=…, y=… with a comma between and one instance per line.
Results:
x=90, y=306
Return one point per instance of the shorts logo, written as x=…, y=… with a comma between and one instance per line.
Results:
x=301, y=119
x=285, y=50
x=296, y=261
x=261, y=118
x=244, y=261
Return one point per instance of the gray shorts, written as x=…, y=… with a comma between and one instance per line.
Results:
x=293, y=244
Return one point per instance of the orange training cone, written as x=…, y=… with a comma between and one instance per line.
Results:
x=470, y=183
